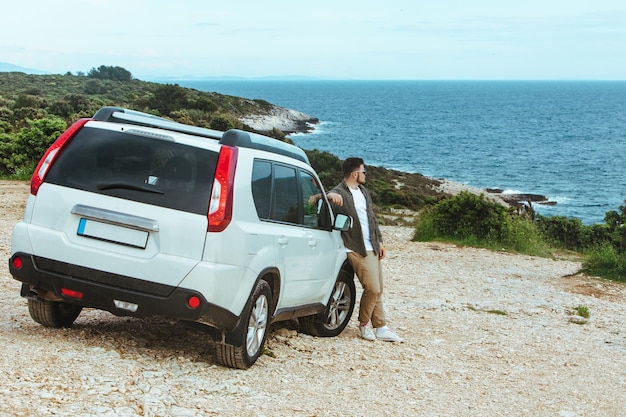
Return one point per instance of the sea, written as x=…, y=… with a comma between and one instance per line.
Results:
x=565, y=140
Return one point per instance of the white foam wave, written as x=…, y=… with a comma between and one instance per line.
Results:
x=560, y=199
x=509, y=191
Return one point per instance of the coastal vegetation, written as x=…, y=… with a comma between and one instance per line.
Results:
x=36, y=109
x=472, y=220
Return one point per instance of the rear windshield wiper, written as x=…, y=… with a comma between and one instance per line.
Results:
x=113, y=185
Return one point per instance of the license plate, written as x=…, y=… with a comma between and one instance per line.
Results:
x=112, y=233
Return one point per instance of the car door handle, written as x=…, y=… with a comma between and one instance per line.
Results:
x=283, y=240
x=312, y=243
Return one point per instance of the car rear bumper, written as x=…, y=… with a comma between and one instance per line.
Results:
x=120, y=295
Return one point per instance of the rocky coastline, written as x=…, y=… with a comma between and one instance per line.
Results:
x=276, y=117
x=292, y=121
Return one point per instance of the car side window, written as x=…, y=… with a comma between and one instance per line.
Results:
x=262, y=188
x=316, y=213
x=285, y=205
x=287, y=194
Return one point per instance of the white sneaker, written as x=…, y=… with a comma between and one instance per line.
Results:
x=367, y=332
x=383, y=333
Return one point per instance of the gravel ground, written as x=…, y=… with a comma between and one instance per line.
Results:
x=486, y=334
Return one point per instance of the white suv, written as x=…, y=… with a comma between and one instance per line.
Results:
x=141, y=216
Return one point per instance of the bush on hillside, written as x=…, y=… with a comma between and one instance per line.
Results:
x=467, y=216
x=563, y=232
x=471, y=219
x=570, y=233
x=223, y=123
x=168, y=98
x=616, y=223
x=22, y=151
x=327, y=166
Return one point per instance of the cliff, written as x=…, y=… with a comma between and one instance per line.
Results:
x=275, y=117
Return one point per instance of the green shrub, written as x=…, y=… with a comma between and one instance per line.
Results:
x=582, y=311
x=34, y=140
x=605, y=261
x=327, y=166
x=565, y=232
x=526, y=238
x=467, y=216
x=204, y=103
x=473, y=220
x=616, y=223
x=93, y=87
x=20, y=152
x=276, y=133
x=27, y=100
x=168, y=98
x=426, y=228
x=222, y=123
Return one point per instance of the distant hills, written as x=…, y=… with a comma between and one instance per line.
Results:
x=6, y=67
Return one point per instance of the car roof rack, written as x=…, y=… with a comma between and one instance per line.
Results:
x=232, y=137
x=121, y=115
x=236, y=137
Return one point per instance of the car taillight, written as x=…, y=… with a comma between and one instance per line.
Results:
x=17, y=262
x=221, y=205
x=71, y=293
x=194, y=302
x=53, y=151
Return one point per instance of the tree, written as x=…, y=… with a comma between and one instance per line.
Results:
x=104, y=72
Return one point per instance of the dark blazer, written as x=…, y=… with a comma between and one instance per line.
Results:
x=353, y=238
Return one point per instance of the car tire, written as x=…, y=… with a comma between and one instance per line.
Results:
x=53, y=313
x=338, y=312
x=243, y=346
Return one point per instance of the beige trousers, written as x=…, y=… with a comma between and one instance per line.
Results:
x=370, y=273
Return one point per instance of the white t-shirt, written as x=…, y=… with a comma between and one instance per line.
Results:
x=361, y=210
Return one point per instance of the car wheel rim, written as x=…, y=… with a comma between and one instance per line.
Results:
x=339, y=306
x=257, y=326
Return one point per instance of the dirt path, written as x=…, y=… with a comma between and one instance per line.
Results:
x=487, y=334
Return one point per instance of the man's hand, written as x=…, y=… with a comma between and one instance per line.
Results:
x=335, y=198
x=314, y=199
x=381, y=254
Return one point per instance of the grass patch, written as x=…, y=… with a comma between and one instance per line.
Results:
x=491, y=311
x=605, y=261
x=498, y=312
x=581, y=311
x=269, y=352
x=580, y=315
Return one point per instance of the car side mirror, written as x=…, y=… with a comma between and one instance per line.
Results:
x=342, y=222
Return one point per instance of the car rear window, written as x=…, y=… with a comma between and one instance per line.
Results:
x=138, y=168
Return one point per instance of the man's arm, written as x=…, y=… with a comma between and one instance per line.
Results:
x=335, y=198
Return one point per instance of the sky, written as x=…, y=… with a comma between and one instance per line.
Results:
x=329, y=39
